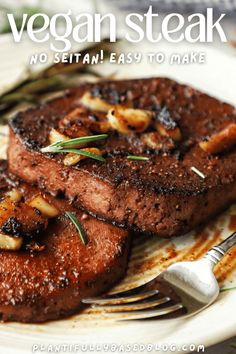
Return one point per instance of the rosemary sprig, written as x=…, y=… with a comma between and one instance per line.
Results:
x=77, y=224
x=16, y=97
x=228, y=289
x=78, y=152
x=76, y=141
x=64, y=146
x=55, y=78
x=137, y=158
x=71, y=68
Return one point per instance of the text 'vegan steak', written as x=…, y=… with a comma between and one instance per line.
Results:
x=46, y=282
x=162, y=195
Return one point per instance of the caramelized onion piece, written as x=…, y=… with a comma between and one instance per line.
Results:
x=72, y=116
x=101, y=127
x=7, y=209
x=55, y=136
x=221, y=141
x=15, y=195
x=174, y=133
x=128, y=120
x=95, y=103
x=72, y=159
x=153, y=140
x=76, y=123
x=80, y=123
x=19, y=219
x=47, y=209
x=10, y=243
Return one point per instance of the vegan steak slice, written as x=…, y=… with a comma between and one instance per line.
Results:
x=46, y=275
x=166, y=163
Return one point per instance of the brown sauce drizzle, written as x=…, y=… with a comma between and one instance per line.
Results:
x=171, y=255
x=226, y=267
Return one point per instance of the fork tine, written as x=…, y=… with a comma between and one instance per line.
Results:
x=132, y=307
x=142, y=314
x=115, y=300
x=124, y=293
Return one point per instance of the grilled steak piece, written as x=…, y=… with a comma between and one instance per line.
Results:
x=162, y=195
x=46, y=283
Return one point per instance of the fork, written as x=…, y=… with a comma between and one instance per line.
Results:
x=183, y=289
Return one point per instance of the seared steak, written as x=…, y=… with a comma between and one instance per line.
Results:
x=162, y=195
x=47, y=278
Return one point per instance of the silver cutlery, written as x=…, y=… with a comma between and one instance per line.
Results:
x=183, y=289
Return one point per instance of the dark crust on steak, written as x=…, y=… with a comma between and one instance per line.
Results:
x=161, y=196
x=48, y=285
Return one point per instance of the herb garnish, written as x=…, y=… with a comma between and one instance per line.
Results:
x=77, y=224
x=199, y=173
x=75, y=141
x=64, y=146
x=34, y=85
x=228, y=289
x=137, y=158
x=80, y=152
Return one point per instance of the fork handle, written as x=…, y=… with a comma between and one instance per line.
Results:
x=217, y=252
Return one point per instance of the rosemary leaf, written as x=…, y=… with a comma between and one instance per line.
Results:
x=137, y=158
x=78, y=226
x=60, y=145
x=82, y=140
x=17, y=97
x=84, y=153
x=42, y=85
x=55, y=78
x=55, y=149
x=67, y=68
x=228, y=289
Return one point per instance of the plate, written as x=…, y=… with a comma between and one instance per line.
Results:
x=149, y=256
